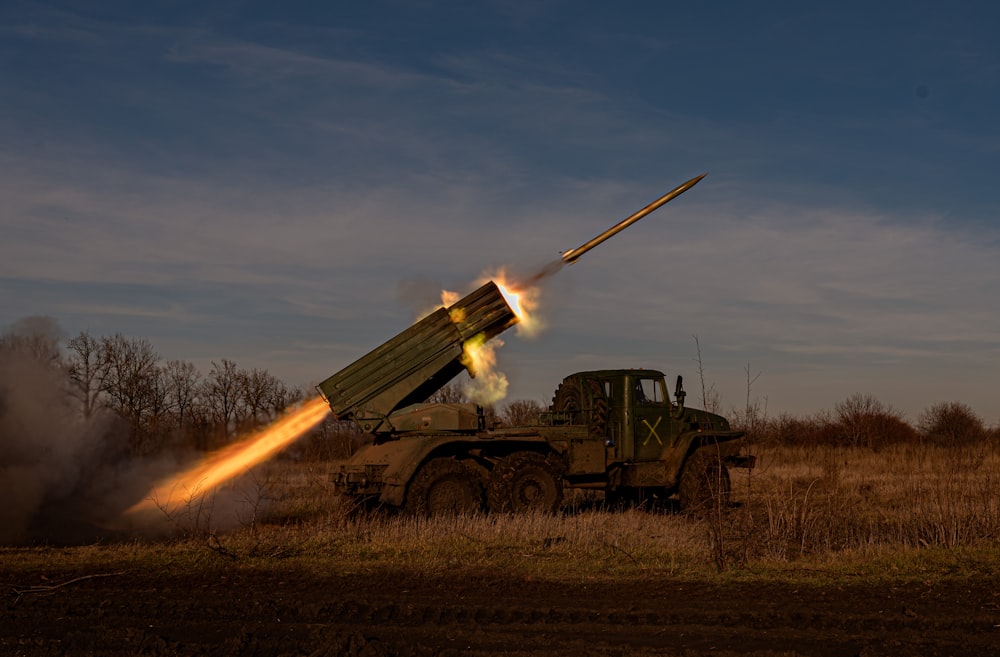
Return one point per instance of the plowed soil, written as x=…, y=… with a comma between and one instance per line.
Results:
x=285, y=612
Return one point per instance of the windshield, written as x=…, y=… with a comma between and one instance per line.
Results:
x=650, y=391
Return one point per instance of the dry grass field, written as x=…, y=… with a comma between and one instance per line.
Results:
x=810, y=507
x=823, y=551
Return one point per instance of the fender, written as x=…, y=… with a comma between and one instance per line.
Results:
x=674, y=456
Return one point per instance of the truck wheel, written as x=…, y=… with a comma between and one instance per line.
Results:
x=526, y=481
x=444, y=486
x=704, y=484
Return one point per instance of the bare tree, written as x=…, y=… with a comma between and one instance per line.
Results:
x=182, y=390
x=158, y=422
x=87, y=371
x=711, y=400
x=521, y=412
x=131, y=382
x=261, y=394
x=281, y=397
x=222, y=391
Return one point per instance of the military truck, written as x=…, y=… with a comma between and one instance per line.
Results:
x=616, y=431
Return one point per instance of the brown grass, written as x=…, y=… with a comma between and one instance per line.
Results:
x=799, y=508
x=906, y=512
x=852, y=504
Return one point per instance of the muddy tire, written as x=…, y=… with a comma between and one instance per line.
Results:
x=526, y=482
x=705, y=485
x=444, y=486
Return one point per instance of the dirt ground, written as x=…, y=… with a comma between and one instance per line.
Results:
x=284, y=612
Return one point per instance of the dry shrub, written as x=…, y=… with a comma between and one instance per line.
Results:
x=789, y=430
x=864, y=421
x=951, y=424
x=859, y=421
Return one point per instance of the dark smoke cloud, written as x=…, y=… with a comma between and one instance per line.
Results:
x=38, y=327
x=62, y=477
x=50, y=458
x=66, y=479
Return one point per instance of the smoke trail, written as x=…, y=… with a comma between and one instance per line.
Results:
x=536, y=279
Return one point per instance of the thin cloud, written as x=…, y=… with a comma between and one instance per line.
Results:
x=263, y=197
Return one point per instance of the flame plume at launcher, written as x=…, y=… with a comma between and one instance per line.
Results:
x=384, y=392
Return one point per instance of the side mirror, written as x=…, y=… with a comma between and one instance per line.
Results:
x=679, y=393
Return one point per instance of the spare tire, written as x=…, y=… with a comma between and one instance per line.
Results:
x=525, y=482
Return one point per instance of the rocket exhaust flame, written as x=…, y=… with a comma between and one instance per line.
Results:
x=174, y=493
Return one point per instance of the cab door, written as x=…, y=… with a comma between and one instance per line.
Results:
x=650, y=417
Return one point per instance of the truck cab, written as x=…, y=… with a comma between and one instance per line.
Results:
x=647, y=438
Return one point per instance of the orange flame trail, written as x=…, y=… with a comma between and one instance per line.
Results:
x=228, y=462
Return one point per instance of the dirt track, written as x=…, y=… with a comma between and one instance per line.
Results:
x=271, y=612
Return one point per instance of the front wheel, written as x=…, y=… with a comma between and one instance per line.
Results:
x=526, y=481
x=444, y=486
x=705, y=485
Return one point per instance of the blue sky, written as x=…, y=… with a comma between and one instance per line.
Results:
x=286, y=184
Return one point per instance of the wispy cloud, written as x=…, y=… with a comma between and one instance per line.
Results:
x=263, y=193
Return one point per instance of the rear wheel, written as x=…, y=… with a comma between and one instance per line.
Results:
x=444, y=486
x=705, y=485
x=526, y=481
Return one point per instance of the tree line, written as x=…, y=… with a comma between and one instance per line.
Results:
x=161, y=404
x=169, y=404
x=166, y=404
x=863, y=421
